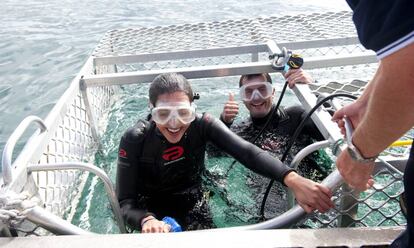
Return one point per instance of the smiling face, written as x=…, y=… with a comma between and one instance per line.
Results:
x=258, y=107
x=174, y=129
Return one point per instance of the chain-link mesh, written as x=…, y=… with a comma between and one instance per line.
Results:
x=230, y=33
x=71, y=142
x=226, y=34
x=378, y=206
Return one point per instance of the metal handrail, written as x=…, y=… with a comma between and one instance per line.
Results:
x=308, y=150
x=90, y=168
x=6, y=163
x=53, y=223
x=294, y=214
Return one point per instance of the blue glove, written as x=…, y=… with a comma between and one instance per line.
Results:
x=175, y=227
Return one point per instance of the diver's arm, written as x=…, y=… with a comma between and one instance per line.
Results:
x=310, y=195
x=246, y=153
x=126, y=181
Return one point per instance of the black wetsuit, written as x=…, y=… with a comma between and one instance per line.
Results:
x=155, y=177
x=386, y=27
x=284, y=122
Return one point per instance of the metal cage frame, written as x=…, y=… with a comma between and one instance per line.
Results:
x=73, y=128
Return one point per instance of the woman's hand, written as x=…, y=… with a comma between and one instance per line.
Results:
x=151, y=225
x=309, y=195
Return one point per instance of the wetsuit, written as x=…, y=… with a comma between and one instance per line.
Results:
x=275, y=140
x=155, y=177
x=386, y=27
x=284, y=122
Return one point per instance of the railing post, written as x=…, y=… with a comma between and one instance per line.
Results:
x=90, y=168
x=88, y=109
x=6, y=162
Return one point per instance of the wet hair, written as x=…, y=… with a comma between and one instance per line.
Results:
x=251, y=76
x=169, y=83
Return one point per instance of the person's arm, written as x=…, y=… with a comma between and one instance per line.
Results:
x=246, y=153
x=126, y=184
x=310, y=195
x=390, y=110
x=126, y=181
x=388, y=116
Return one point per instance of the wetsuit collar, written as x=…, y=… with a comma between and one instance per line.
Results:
x=259, y=122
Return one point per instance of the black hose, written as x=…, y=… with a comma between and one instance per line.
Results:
x=293, y=139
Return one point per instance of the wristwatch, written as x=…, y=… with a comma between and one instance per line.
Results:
x=352, y=149
x=356, y=154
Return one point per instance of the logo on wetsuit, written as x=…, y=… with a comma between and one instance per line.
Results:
x=173, y=154
x=122, y=153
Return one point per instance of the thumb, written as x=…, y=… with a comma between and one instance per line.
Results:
x=339, y=114
x=231, y=96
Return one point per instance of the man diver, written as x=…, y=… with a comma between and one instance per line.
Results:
x=257, y=94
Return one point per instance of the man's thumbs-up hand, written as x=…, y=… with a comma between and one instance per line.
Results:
x=230, y=110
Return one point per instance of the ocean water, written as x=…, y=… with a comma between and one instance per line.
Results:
x=43, y=44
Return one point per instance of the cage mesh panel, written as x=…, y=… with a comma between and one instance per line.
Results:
x=378, y=206
x=72, y=141
x=226, y=33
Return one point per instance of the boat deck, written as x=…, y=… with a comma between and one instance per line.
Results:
x=303, y=238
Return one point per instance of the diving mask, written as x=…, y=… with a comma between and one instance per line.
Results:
x=184, y=112
x=256, y=91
